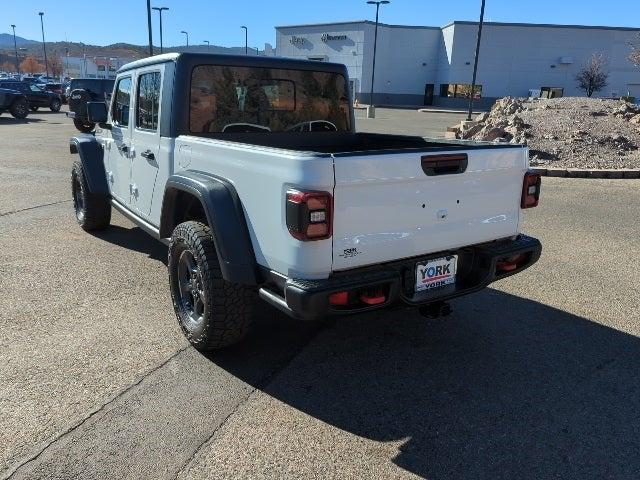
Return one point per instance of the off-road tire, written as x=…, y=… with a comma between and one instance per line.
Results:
x=34, y=109
x=227, y=308
x=84, y=127
x=93, y=211
x=55, y=105
x=19, y=108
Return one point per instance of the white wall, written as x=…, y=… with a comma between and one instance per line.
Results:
x=347, y=51
x=514, y=59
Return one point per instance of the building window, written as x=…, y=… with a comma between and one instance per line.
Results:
x=459, y=90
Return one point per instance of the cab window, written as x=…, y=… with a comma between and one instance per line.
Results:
x=148, y=101
x=121, y=102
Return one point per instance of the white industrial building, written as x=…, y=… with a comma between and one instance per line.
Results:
x=417, y=65
x=89, y=66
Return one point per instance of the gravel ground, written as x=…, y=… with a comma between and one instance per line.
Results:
x=570, y=132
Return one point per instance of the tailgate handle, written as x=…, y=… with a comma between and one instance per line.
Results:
x=448, y=164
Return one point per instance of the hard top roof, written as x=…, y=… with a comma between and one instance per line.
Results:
x=237, y=60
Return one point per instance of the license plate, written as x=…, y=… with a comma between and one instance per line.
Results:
x=436, y=273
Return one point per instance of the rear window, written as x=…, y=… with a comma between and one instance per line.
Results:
x=95, y=86
x=226, y=99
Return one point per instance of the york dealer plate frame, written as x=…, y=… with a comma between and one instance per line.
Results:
x=436, y=273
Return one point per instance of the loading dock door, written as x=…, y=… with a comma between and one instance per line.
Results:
x=428, y=94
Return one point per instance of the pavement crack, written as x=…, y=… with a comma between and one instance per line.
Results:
x=33, y=208
x=262, y=385
x=71, y=429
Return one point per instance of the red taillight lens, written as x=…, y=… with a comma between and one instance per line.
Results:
x=309, y=214
x=531, y=190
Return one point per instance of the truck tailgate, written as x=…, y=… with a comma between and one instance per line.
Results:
x=386, y=207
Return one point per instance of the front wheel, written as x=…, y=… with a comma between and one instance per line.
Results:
x=84, y=127
x=55, y=105
x=211, y=312
x=93, y=211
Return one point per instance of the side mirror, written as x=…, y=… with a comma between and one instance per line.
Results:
x=97, y=113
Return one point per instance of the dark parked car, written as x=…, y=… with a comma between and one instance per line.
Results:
x=83, y=90
x=36, y=95
x=14, y=102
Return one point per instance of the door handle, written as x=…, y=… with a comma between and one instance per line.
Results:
x=124, y=149
x=148, y=154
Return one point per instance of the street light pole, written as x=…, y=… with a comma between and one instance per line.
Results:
x=246, y=39
x=15, y=46
x=475, y=63
x=187, y=34
x=375, y=47
x=44, y=46
x=159, y=10
x=149, y=28
x=208, y=44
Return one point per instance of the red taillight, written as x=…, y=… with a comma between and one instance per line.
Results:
x=530, y=190
x=309, y=215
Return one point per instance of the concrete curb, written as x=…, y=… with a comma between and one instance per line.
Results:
x=582, y=173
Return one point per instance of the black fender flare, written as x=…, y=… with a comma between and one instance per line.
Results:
x=92, y=157
x=225, y=217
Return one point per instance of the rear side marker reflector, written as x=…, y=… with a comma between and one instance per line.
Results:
x=339, y=298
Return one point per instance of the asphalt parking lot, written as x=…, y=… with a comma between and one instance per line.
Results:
x=534, y=378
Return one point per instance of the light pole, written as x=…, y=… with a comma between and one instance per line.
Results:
x=159, y=10
x=208, y=44
x=44, y=46
x=475, y=63
x=149, y=28
x=182, y=31
x=371, y=111
x=246, y=38
x=15, y=46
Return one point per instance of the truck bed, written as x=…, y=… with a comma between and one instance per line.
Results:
x=345, y=143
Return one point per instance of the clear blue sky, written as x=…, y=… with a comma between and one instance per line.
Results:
x=111, y=21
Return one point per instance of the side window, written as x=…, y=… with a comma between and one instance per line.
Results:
x=121, y=102
x=148, y=100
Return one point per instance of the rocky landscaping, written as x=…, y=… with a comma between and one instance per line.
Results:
x=570, y=132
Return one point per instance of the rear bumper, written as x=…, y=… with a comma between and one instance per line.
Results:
x=477, y=268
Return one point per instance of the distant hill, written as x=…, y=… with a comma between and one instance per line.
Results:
x=6, y=41
x=124, y=50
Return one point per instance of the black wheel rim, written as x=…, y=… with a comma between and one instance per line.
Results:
x=21, y=109
x=192, y=298
x=78, y=198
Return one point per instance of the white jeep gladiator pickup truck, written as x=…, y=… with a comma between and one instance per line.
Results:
x=251, y=170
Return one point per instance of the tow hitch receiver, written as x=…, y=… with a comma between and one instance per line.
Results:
x=435, y=310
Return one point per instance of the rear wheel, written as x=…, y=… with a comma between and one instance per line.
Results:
x=19, y=108
x=93, y=212
x=84, y=127
x=55, y=105
x=211, y=312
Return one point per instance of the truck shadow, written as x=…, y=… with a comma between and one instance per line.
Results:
x=504, y=388
x=135, y=239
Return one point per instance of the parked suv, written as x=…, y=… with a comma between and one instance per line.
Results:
x=83, y=90
x=36, y=95
x=13, y=102
x=251, y=170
